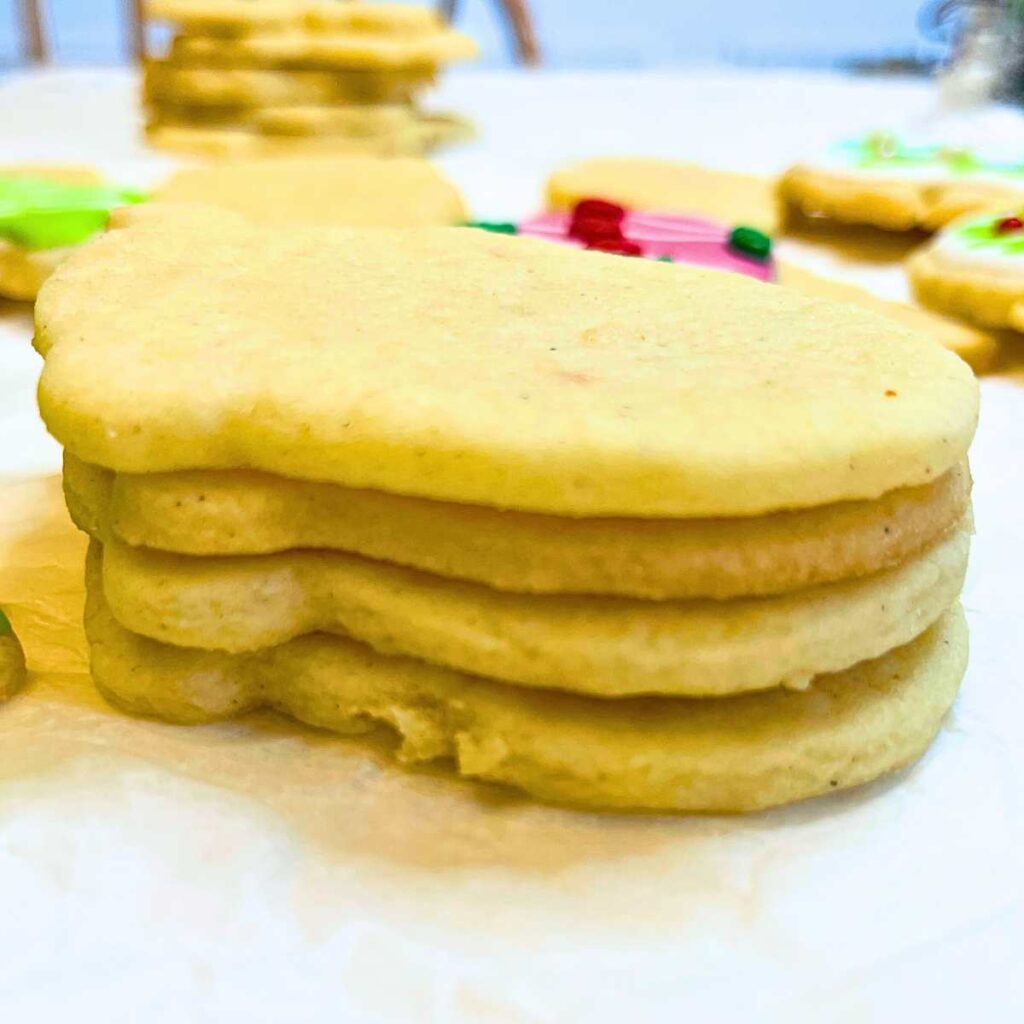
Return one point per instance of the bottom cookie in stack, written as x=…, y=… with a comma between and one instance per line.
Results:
x=378, y=131
x=737, y=754
x=395, y=475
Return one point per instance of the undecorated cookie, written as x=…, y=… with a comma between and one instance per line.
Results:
x=737, y=754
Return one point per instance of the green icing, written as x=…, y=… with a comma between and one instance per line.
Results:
x=38, y=213
x=880, y=149
x=5, y=624
x=985, y=234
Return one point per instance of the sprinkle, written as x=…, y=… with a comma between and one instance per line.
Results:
x=1009, y=224
x=883, y=145
x=5, y=624
x=592, y=229
x=750, y=242
x=599, y=209
x=498, y=227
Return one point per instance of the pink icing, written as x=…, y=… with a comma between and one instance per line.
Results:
x=683, y=239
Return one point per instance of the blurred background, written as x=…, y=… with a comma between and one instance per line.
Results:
x=900, y=35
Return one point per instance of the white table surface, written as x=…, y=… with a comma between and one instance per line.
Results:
x=904, y=902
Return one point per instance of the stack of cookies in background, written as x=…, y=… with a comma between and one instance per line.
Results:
x=687, y=541
x=246, y=77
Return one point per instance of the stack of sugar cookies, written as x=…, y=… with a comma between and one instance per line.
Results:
x=617, y=533
x=247, y=77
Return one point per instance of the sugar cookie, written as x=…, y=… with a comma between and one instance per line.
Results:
x=238, y=513
x=703, y=394
x=974, y=269
x=739, y=754
x=882, y=181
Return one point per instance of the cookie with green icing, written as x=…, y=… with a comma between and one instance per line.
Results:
x=41, y=218
x=974, y=269
x=890, y=183
x=888, y=154
x=40, y=213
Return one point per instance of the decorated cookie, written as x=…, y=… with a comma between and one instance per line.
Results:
x=974, y=269
x=882, y=181
x=41, y=217
x=647, y=183
x=39, y=213
x=12, y=659
x=608, y=227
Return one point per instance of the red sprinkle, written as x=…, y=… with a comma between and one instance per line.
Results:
x=598, y=209
x=619, y=246
x=1008, y=224
x=589, y=229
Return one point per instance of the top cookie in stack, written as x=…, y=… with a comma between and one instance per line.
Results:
x=616, y=532
x=247, y=78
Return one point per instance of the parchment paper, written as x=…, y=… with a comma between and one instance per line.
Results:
x=156, y=872
x=257, y=872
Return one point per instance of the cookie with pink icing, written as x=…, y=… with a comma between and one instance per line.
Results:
x=677, y=238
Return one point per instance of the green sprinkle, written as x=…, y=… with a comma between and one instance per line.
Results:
x=750, y=242
x=665, y=259
x=499, y=227
x=882, y=145
x=5, y=625
x=37, y=213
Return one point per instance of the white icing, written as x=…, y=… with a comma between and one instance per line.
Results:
x=960, y=252
x=925, y=173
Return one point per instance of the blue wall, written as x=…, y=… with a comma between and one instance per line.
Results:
x=597, y=33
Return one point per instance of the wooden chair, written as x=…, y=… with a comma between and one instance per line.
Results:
x=35, y=43
x=35, y=46
x=519, y=22
x=135, y=19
